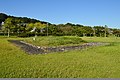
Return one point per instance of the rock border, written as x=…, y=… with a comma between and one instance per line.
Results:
x=32, y=49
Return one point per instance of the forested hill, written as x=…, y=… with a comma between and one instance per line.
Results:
x=24, y=25
x=4, y=16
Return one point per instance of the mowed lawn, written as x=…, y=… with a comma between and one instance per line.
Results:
x=95, y=62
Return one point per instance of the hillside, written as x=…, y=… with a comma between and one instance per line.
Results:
x=24, y=25
x=4, y=16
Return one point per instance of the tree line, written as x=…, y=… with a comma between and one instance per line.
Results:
x=23, y=26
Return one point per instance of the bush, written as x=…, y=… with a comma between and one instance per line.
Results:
x=26, y=34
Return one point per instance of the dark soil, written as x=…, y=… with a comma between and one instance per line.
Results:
x=31, y=49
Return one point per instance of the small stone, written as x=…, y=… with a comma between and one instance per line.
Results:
x=62, y=49
x=38, y=46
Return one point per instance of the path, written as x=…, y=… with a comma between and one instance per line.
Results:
x=31, y=49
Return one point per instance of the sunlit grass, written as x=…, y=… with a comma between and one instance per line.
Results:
x=95, y=62
x=101, y=39
x=55, y=41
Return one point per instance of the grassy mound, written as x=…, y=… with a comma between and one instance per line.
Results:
x=56, y=41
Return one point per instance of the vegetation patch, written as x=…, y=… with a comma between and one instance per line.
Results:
x=97, y=62
x=53, y=41
x=31, y=49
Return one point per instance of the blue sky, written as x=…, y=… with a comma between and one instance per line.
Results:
x=85, y=12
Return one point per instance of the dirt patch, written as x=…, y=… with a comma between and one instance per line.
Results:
x=32, y=49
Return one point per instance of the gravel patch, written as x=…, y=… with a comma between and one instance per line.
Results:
x=32, y=49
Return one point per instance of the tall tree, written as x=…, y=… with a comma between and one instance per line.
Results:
x=7, y=25
x=39, y=26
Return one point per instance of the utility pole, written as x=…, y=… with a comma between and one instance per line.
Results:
x=35, y=34
x=93, y=31
x=47, y=29
x=105, y=30
x=34, y=30
x=8, y=32
x=2, y=24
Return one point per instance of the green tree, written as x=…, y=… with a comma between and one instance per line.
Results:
x=39, y=26
x=29, y=27
x=7, y=25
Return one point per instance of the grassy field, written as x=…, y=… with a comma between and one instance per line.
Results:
x=96, y=62
x=52, y=41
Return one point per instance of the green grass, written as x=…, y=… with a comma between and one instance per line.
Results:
x=101, y=39
x=55, y=41
x=97, y=62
